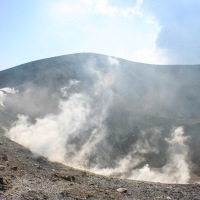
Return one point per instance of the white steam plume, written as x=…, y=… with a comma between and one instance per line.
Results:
x=49, y=134
x=1, y=99
x=177, y=169
x=4, y=92
x=78, y=114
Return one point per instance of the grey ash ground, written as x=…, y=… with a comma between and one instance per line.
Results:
x=24, y=175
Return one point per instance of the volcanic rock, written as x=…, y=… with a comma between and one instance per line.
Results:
x=122, y=190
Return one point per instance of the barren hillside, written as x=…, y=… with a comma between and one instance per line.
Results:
x=132, y=121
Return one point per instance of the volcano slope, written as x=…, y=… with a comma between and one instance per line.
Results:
x=24, y=175
x=103, y=114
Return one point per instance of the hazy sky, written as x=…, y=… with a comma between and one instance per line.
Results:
x=150, y=31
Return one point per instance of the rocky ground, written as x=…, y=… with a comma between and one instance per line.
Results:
x=24, y=175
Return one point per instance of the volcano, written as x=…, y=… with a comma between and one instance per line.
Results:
x=107, y=115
